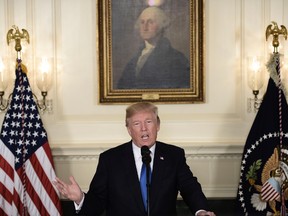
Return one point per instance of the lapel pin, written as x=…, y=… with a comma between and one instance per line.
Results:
x=161, y=158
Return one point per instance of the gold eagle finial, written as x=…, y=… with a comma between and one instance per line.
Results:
x=274, y=30
x=15, y=34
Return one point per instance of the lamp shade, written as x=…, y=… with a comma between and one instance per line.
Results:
x=44, y=74
x=255, y=73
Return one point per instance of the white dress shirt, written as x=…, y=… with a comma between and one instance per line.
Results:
x=138, y=158
x=144, y=56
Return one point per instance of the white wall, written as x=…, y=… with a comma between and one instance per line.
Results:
x=213, y=133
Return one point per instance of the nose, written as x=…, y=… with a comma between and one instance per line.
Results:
x=143, y=127
x=144, y=25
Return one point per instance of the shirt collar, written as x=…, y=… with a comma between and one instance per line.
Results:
x=149, y=46
x=137, y=151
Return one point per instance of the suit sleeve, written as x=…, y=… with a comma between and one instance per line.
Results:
x=189, y=187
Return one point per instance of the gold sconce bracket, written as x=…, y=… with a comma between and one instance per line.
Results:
x=254, y=103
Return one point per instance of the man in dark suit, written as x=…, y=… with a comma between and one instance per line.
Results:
x=157, y=64
x=115, y=187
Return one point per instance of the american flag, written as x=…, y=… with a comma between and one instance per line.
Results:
x=26, y=163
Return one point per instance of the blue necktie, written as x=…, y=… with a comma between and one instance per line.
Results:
x=143, y=184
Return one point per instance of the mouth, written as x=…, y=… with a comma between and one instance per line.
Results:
x=145, y=136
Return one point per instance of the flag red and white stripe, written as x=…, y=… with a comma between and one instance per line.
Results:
x=270, y=191
x=26, y=163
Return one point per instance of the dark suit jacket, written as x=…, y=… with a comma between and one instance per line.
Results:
x=165, y=68
x=115, y=187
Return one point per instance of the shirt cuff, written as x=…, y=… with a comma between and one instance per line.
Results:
x=79, y=206
x=201, y=210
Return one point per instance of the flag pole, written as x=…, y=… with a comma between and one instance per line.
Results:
x=274, y=30
x=17, y=36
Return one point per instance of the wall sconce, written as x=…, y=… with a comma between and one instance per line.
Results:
x=255, y=65
x=43, y=81
x=43, y=73
x=255, y=81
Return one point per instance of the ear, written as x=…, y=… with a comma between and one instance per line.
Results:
x=129, y=131
x=158, y=127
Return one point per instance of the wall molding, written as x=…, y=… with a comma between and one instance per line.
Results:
x=193, y=151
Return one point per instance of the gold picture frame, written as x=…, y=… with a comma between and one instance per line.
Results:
x=118, y=43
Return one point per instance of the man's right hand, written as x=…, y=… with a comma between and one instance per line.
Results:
x=70, y=191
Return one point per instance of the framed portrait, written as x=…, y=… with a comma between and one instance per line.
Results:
x=151, y=50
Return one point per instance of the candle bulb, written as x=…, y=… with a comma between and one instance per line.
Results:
x=44, y=75
x=44, y=65
x=255, y=68
x=1, y=65
x=255, y=79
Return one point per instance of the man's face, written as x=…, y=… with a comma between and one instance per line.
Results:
x=149, y=27
x=143, y=128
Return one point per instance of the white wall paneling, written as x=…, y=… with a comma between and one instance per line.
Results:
x=213, y=133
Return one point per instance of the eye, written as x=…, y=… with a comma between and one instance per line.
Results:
x=150, y=21
x=149, y=121
x=136, y=124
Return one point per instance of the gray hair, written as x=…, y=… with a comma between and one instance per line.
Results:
x=161, y=18
x=141, y=107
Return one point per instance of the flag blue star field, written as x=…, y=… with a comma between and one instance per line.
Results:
x=26, y=163
x=263, y=186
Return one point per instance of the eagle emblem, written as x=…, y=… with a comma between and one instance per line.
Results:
x=273, y=179
x=274, y=30
x=15, y=34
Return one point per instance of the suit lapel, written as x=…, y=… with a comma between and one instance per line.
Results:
x=158, y=172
